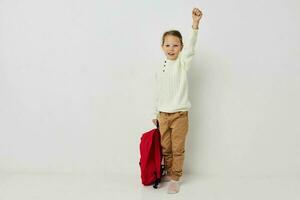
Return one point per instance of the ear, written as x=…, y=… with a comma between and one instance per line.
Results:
x=181, y=47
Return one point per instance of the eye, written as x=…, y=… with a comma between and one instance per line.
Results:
x=167, y=45
x=175, y=45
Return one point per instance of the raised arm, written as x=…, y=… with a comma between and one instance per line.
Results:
x=189, y=48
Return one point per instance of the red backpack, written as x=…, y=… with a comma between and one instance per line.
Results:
x=151, y=158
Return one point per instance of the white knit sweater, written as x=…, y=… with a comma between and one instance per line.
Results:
x=171, y=84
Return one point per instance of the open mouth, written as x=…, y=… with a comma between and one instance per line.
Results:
x=171, y=54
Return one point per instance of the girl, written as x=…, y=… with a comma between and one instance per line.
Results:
x=171, y=99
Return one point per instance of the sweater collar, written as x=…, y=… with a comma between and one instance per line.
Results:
x=170, y=61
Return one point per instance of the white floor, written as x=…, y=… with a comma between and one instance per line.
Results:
x=86, y=187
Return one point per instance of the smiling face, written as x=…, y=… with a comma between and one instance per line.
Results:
x=172, y=46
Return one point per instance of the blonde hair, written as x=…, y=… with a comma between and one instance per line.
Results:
x=173, y=33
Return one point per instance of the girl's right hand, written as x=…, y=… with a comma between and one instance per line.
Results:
x=155, y=121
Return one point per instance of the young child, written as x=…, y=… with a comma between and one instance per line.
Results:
x=171, y=99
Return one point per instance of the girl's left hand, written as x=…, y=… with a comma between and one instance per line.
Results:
x=196, y=14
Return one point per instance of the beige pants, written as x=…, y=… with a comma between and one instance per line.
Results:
x=173, y=128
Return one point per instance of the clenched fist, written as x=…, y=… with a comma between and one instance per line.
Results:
x=196, y=14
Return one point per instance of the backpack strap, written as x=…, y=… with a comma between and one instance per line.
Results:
x=157, y=181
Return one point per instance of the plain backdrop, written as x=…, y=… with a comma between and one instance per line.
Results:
x=76, y=85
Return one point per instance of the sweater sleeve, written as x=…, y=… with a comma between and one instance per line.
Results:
x=155, y=99
x=188, y=50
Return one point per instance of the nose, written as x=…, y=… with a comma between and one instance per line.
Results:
x=171, y=48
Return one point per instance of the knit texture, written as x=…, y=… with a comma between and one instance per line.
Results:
x=171, y=83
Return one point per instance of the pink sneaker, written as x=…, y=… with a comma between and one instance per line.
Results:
x=173, y=187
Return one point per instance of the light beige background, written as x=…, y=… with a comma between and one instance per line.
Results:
x=76, y=80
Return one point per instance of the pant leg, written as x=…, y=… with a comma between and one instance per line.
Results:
x=166, y=143
x=179, y=127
